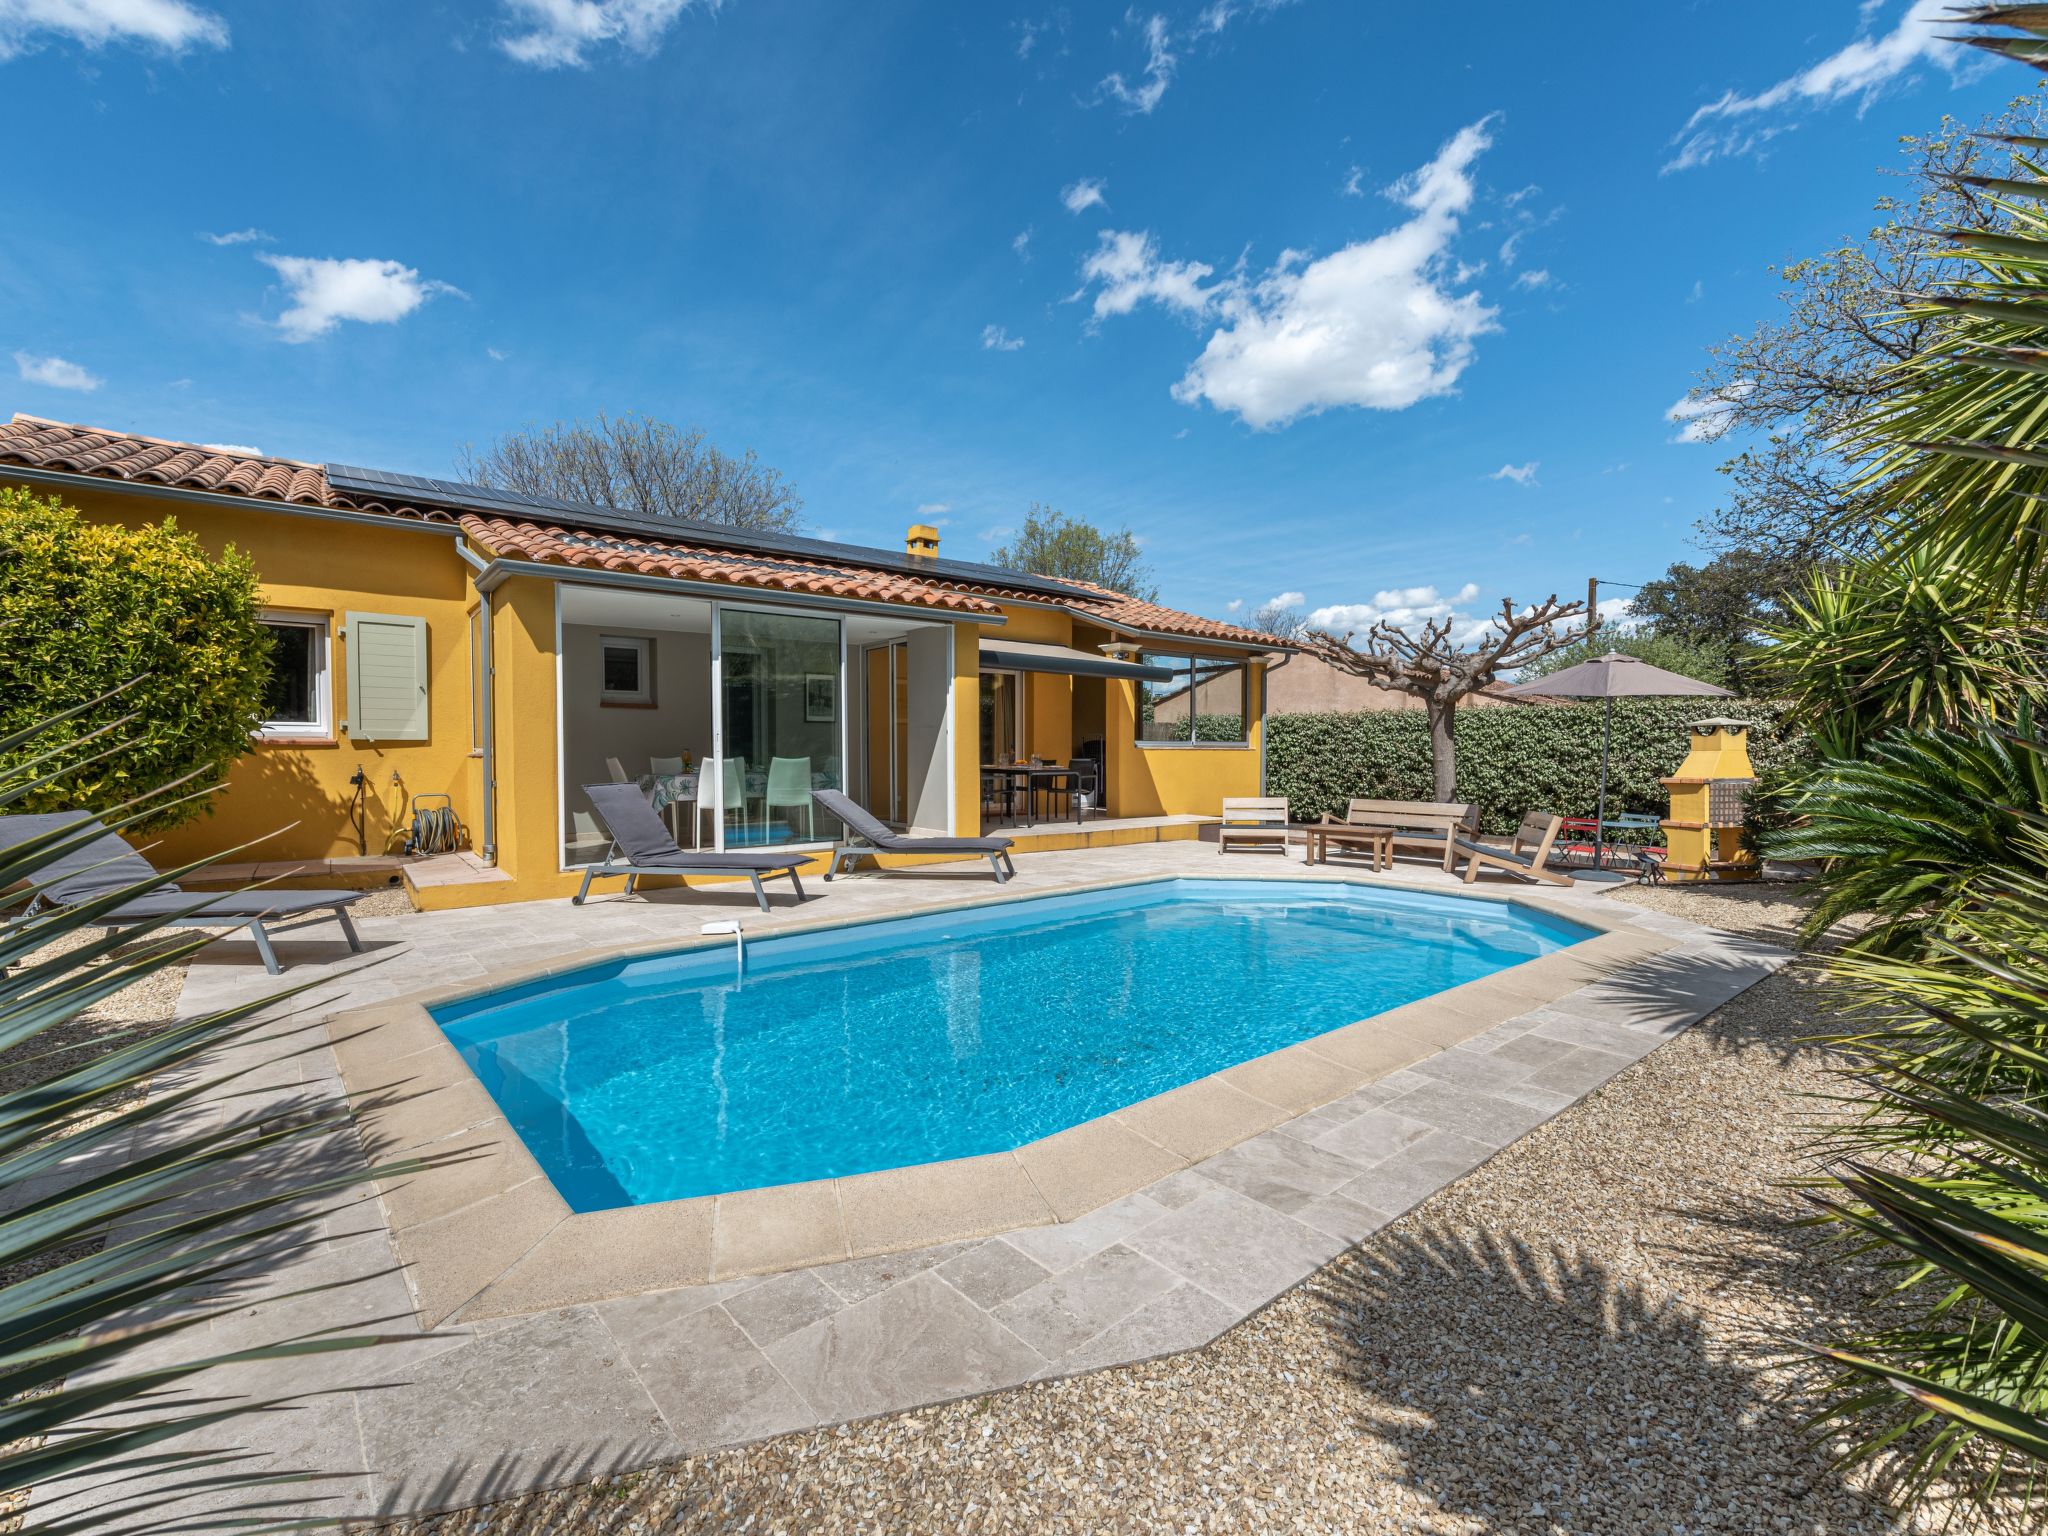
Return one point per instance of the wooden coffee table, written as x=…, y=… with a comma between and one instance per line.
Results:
x=1377, y=841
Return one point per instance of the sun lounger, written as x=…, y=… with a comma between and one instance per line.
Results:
x=1251, y=822
x=107, y=865
x=1526, y=854
x=641, y=845
x=877, y=838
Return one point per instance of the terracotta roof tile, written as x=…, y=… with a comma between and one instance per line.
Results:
x=556, y=545
x=40, y=444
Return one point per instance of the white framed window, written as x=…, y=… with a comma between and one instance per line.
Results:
x=628, y=667
x=297, y=701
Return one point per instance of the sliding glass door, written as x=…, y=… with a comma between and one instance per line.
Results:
x=781, y=726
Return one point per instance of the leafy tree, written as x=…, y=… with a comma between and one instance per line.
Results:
x=1793, y=384
x=1720, y=608
x=1669, y=651
x=84, y=605
x=637, y=464
x=1427, y=666
x=1070, y=549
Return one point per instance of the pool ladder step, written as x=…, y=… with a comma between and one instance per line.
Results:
x=739, y=940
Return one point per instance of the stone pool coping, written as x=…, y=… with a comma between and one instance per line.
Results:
x=483, y=1234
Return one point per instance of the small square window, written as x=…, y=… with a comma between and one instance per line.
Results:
x=628, y=665
x=295, y=698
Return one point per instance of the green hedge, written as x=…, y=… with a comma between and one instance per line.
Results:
x=1510, y=761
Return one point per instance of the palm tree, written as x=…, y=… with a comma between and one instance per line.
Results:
x=125, y=1218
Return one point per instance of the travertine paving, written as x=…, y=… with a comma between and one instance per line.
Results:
x=523, y=1400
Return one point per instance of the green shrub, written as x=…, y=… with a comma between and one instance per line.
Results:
x=1510, y=760
x=84, y=606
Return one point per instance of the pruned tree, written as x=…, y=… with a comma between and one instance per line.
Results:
x=1430, y=667
x=637, y=464
x=1279, y=620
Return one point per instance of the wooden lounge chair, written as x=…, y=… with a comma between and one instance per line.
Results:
x=104, y=866
x=641, y=845
x=1253, y=822
x=1418, y=826
x=1526, y=854
x=876, y=838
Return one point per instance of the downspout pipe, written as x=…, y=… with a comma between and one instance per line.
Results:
x=487, y=733
x=1274, y=662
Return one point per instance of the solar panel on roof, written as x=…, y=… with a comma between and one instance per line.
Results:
x=481, y=498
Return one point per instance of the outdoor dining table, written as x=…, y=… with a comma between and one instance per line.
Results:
x=672, y=790
x=1037, y=776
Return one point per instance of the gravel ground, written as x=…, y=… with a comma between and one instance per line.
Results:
x=1582, y=1336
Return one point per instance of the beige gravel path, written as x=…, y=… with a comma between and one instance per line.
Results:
x=1575, y=1338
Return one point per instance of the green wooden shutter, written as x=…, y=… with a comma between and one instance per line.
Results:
x=387, y=677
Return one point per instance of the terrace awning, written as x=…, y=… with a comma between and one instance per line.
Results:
x=1025, y=656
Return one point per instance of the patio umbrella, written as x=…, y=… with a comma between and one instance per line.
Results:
x=1610, y=677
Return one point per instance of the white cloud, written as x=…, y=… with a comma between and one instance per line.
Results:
x=233, y=236
x=558, y=34
x=56, y=373
x=1287, y=600
x=1214, y=17
x=1233, y=605
x=1371, y=325
x=1705, y=417
x=1160, y=63
x=1719, y=130
x=1615, y=613
x=933, y=508
x=1535, y=277
x=244, y=448
x=1125, y=269
x=1699, y=291
x=1021, y=244
x=1521, y=474
x=1354, y=182
x=326, y=291
x=169, y=25
x=1406, y=608
x=995, y=339
x=495, y=355
x=1084, y=194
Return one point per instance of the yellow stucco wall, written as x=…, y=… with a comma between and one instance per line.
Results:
x=316, y=565
x=321, y=566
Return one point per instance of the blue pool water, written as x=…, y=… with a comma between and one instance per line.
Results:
x=916, y=1039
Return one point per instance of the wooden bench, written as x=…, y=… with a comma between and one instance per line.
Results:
x=1417, y=826
x=1253, y=823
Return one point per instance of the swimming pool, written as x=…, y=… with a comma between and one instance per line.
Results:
x=951, y=1034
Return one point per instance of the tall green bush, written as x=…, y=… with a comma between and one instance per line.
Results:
x=1510, y=760
x=86, y=605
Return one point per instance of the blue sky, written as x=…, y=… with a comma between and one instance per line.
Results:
x=1319, y=298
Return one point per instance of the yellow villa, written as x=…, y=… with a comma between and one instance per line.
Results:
x=436, y=638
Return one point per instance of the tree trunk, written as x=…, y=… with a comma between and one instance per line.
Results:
x=1443, y=747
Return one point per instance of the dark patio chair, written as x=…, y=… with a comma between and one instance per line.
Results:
x=106, y=865
x=641, y=845
x=877, y=838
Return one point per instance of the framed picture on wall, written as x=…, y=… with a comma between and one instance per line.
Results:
x=821, y=697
